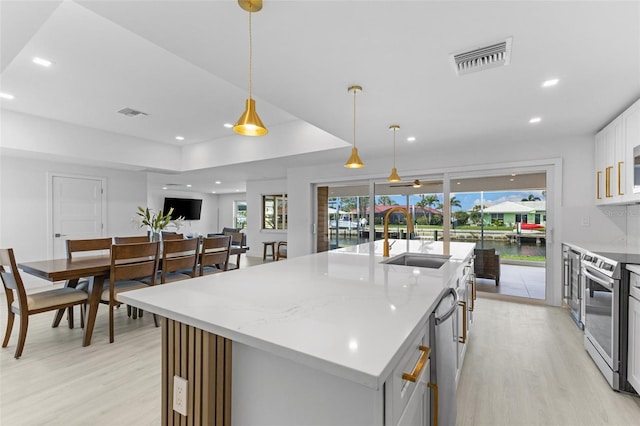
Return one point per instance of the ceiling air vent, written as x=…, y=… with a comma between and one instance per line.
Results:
x=494, y=55
x=130, y=112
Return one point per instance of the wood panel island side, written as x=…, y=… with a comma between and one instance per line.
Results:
x=320, y=339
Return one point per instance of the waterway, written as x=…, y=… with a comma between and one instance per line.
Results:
x=527, y=247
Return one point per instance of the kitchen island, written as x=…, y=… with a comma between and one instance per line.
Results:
x=317, y=339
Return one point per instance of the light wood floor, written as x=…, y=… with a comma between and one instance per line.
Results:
x=525, y=365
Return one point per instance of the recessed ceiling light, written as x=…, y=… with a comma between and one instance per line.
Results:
x=513, y=174
x=535, y=120
x=164, y=187
x=551, y=82
x=42, y=62
x=180, y=138
x=237, y=190
x=411, y=139
x=218, y=182
x=6, y=96
x=188, y=185
x=458, y=183
x=228, y=125
x=213, y=192
x=511, y=180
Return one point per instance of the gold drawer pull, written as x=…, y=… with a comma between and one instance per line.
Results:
x=473, y=293
x=434, y=387
x=598, y=173
x=620, y=163
x=607, y=178
x=419, y=366
x=463, y=339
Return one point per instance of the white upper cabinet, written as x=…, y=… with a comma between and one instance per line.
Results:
x=614, y=159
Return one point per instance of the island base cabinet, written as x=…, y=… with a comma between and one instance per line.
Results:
x=271, y=390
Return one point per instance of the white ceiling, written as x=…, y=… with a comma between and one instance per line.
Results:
x=185, y=64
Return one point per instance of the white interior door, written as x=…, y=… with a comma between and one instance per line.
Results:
x=77, y=210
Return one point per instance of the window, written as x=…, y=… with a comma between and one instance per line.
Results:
x=274, y=211
x=521, y=218
x=240, y=214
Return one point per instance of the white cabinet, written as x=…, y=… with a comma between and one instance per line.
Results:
x=631, y=125
x=614, y=160
x=407, y=398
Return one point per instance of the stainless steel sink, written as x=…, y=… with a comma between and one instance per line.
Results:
x=433, y=261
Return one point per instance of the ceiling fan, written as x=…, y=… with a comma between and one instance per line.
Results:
x=416, y=184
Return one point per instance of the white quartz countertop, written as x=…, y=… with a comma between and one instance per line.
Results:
x=341, y=311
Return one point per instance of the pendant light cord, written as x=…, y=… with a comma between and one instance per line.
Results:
x=250, y=56
x=394, y=147
x=354, y=117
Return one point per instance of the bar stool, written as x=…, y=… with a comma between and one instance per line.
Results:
x=282, y=250
x=266, y=244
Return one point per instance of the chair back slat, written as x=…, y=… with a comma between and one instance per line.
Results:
x=132, y=240
x=166, y=236
x=236, y=238
x=93, y=244
x=179, y=255
x=11, y=279
x=215, y=251
x=132, y=261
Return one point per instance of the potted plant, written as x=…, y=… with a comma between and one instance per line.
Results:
x=156, y=222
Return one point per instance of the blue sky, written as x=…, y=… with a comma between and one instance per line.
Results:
x=470, y=199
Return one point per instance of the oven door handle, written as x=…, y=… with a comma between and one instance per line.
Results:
x=605, y=283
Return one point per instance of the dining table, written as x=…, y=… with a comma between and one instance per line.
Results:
x=96, y=268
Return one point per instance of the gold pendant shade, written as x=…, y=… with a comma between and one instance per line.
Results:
x=249, y=124
x=354, y=162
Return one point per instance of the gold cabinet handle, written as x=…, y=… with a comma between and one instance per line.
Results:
x=607, y=184
x=620, y=163
x=598, y=174
x=463, y=339
x=473, y=292
x=434, y=387
x=419, y=366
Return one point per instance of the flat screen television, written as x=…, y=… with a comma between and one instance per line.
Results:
x=187, y=207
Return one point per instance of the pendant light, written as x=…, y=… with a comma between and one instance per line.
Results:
x=249, y=124
x=354, y=162
x=393, y=177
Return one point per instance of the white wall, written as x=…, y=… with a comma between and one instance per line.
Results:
x=24, y=209
x=226, y=203
x=255, y=235
x=208, y=215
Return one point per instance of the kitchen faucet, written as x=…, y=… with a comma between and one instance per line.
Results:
x=385, y=252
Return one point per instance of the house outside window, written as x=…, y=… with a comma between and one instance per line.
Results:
x=240, y=214
x=274, y=211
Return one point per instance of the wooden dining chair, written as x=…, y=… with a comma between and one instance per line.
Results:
x=91, y=246
x=131, y=240
x=179, y=260
x=172, y=236
x=214, y=254
x=237, y=239
x=23, y=304
x=130, y=264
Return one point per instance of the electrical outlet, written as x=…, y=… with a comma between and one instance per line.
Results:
x=586, y=221
x=180, y=395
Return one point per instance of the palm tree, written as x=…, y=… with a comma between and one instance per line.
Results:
x=385, y=200
x=427, y=201
x=454, y=202
x=531, y=197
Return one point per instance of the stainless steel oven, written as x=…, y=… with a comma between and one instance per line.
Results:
x=606, y=298
x=602, y=320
